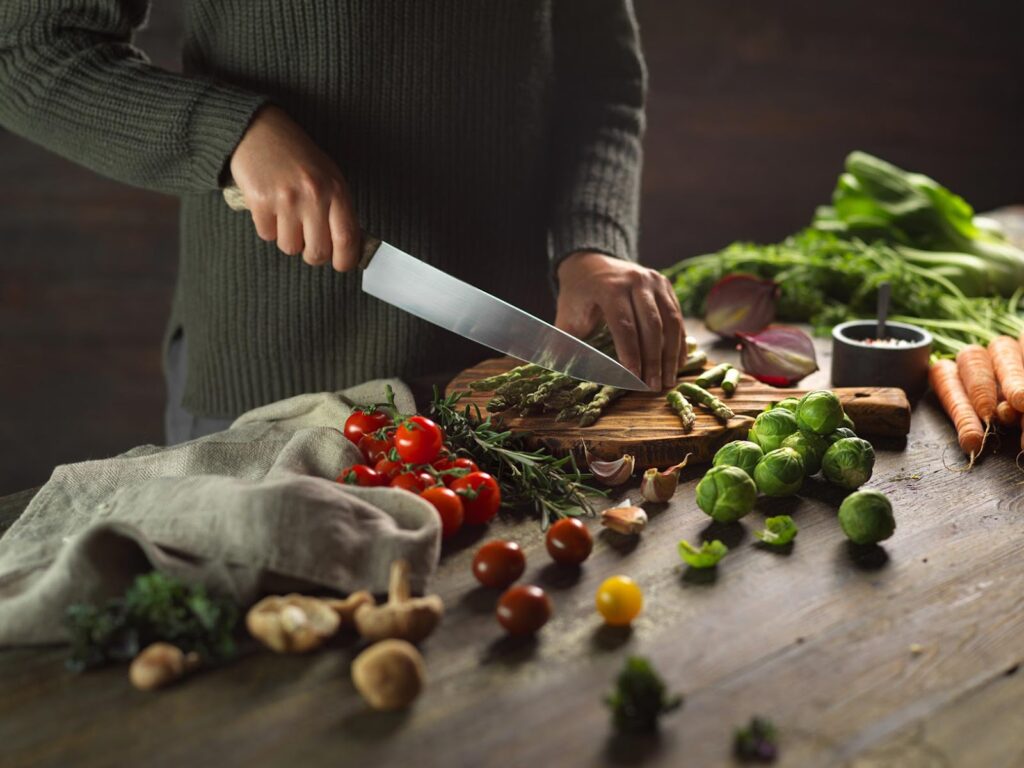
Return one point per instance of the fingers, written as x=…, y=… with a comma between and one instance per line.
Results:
x=674, y=341
x=574, y=318
x=649, y=325
x=346, y=238
x=622, y=323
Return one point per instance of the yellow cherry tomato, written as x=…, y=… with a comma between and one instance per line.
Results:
x=619, y=600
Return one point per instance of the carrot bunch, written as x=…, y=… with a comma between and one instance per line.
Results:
x=982, y=389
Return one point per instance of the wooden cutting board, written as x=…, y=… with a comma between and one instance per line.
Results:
x=642, y=424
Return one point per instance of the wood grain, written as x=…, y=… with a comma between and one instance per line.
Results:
x=642, y=424
x=819, y=639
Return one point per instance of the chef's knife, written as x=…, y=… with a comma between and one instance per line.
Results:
x=404, y=281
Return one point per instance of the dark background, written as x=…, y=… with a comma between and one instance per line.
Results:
x=752, y=108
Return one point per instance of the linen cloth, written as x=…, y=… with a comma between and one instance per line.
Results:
x=245, y=511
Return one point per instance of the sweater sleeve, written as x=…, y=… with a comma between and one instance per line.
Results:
x=71, y=81
x=600, y=88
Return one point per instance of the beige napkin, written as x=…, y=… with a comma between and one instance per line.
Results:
x=254, y=508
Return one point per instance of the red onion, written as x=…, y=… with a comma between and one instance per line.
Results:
x=740, y=303
x=778, y=355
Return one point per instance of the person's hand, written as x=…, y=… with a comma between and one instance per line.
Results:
x=638, y=304
x=295, y=192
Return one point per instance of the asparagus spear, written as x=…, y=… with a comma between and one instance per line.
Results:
x=713, y=376
x=730, y=382
x=701, y=396
x=682, y=406
x=493, y=382
x=592, y=411
x=694, y=361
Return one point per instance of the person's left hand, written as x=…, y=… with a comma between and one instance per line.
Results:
x=638, y=304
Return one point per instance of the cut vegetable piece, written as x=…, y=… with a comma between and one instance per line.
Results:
x=740, y=303
x=707, y=556
x=682, y=407
x=701, y=396
x=778, y=531
x=731, y=381
x=779, y=355
x=712, y=377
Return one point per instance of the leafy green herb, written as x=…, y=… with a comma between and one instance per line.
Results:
x=533, y=479
x=757, y=742
x=778, y=531
x=639, y=698
x=155, y=607
x=707, y=556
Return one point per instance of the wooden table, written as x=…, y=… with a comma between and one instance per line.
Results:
x=905, y=655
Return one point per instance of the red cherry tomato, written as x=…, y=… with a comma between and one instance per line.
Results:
x=418, y=440
x=362, y=422
x=375, y=448
x=481, y=496
x=498, y=563
x=462, y=463
x=417, y=482
x=360, y=474
x=448, y=506
x=569, y=542
x=390, y=469
x=522, y=610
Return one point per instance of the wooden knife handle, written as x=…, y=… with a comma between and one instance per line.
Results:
x=236, y=202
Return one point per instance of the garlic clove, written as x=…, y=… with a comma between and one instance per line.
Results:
x=611, y=473
x=625, y=520
x=661, y=486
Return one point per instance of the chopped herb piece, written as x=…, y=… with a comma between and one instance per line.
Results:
x=757, y=742
x=639, y=698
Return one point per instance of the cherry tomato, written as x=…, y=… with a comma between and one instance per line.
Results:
x=448, y=506
x=417, y=482
x=362, y=422
x=481, y=496
x=360, y=474
x=498, y=563
x=390, y=469
x=619, y=600
x=418, y=440
x=375, y=448
x=569, y=542
x=468, y=465
x=522, y=610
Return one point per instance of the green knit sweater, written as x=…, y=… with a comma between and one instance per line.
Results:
x=488, y=137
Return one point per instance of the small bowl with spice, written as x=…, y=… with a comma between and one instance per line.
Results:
x=898, y=357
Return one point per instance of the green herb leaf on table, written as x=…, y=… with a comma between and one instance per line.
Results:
x=707, y=556
x=155, y=607
x=640, y=697
x=756, y=742
x=778, y=531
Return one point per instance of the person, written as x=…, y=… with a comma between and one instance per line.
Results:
x=499, y=140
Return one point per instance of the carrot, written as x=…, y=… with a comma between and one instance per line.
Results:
x=1008, y=362
x=1006, y=416
x=979, y=379
x=948, y=388
x=1021, y=434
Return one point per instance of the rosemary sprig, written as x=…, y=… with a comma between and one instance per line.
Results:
x=530, y=479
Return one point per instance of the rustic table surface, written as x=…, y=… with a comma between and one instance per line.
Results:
x=901, y=655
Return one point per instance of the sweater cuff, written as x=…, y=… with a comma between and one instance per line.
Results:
x=219, y=118
x=590, y=232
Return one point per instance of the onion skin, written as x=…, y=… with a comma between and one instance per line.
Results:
x=740, y=303
x=778, y=355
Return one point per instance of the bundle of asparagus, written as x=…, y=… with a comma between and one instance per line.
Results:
x=530, y=389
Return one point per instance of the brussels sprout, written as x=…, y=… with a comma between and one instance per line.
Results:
x=707, y=556
x=847, y=423
x=778, y=531
x=739, y=453
x=789, y=404
x=726, y=493
x=848, y=462
x=771, y=428
x=811, y=448
x=780, y=472
x=819, y=412
x=866, y=517
x=839, y=434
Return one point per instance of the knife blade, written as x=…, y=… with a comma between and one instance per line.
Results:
x=402, y=280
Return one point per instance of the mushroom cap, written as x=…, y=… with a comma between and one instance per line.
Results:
x=292, y=623
x=389, y=674
x=411, y=620
x=159, y=664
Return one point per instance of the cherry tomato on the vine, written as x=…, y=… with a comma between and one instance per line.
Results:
x=418, y=440
x=498, y=563
x=375, y=447
x=569, y=542
x=619, y=600
x=448, y=506
x=481, y=496
x=522, y=610
x=360, y=474
x=417, y=481
x=388, y=468
x=364, y=422
x=462, y=463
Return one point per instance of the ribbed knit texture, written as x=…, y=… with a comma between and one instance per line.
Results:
x=488, y=137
